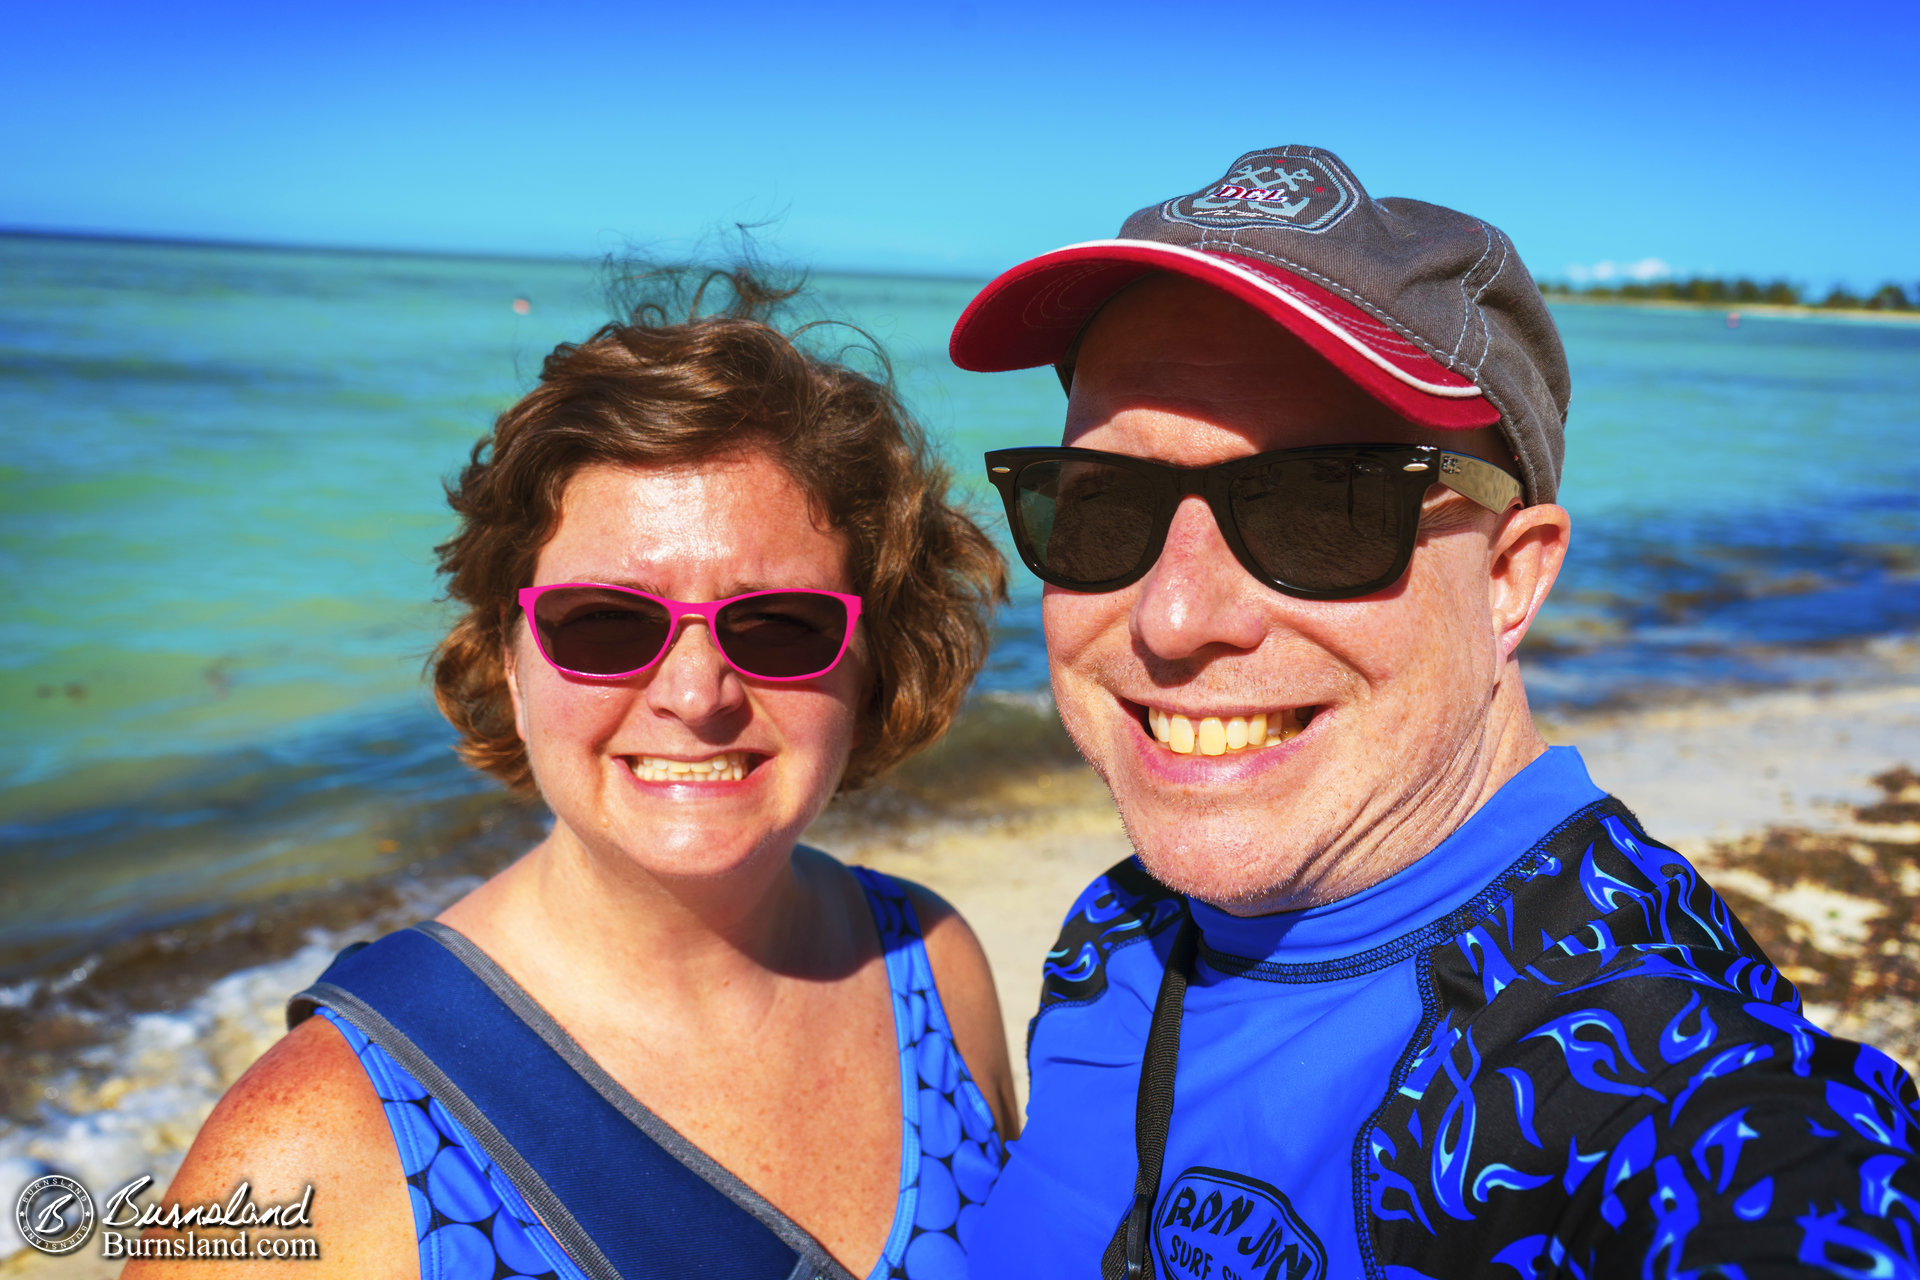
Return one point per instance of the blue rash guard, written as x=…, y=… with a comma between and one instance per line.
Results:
x=1546, y=1048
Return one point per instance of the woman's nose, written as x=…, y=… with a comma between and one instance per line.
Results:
x=693, y=682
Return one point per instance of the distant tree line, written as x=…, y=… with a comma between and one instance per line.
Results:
x=1889, y=297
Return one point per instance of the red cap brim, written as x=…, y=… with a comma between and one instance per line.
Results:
x=1031, y=315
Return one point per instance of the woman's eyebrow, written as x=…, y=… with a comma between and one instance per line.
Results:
x=618, y=580
x=737, y=587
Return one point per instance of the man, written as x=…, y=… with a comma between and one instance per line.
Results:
x=1391, y=988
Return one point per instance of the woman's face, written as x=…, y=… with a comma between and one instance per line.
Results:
x=696, y=533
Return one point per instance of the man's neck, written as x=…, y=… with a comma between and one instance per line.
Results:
x=1386, y=842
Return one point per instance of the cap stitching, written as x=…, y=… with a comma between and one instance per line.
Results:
x=1334, y=286
x=1377, y=329
x=1466, y=304
x=1033, y=312
x=1511, y=423
x=1380, y=332
x=1486, y=330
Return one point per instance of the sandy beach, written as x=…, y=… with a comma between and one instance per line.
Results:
x=1773, y=795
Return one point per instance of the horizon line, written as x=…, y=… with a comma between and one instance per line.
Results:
x=456, y=255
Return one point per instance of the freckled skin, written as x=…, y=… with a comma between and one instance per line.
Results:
x=304, y=1114
x=730, y=980
x=1422, y=713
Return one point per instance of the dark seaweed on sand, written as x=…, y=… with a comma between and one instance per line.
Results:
x=1873, y=985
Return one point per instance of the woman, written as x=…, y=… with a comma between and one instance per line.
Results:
x=709, y=580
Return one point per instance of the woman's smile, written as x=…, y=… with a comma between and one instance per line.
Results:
x=727, y=766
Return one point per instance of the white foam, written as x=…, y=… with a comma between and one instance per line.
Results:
x=131, y=1106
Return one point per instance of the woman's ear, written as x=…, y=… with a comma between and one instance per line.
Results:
x=1528, y=549
x=510, y=664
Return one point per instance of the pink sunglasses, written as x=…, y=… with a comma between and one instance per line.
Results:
x=607, y=633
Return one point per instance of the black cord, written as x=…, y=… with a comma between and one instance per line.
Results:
x=1127, y=1256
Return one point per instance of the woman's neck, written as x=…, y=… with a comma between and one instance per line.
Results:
x=588, y=928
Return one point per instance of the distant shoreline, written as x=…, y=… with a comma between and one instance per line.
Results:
x=1773, y=310
x=590, y=261
x=1767, y=310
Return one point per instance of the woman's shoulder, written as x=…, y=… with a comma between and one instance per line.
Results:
x=964, y=977
x=305, y=1115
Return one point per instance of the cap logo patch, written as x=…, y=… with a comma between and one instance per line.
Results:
x=1301, y=192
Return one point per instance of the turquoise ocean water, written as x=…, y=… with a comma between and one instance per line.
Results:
x=220, y=488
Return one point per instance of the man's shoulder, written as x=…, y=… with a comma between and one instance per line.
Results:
x=1613, y=953
x=1123, y=906
x=1610, y=1068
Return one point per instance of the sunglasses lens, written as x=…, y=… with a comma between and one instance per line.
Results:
x=1087, y=521
x=783, y=634
x=597, y=631
x=1320, y=524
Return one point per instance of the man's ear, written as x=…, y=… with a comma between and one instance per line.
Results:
x=1528, y=549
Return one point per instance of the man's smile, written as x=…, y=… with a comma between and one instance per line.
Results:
x=1212, y=735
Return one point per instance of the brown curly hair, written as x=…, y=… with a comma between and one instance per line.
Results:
x=651, y=393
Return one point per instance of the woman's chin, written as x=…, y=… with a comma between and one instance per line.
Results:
x=698, y=856
x=691, y=847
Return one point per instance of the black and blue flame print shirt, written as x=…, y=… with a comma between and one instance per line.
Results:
x=1545, y=1049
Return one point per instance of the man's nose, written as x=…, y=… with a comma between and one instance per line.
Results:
x=1197, y=594
x=693, y=682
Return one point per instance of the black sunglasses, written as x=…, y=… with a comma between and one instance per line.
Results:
x=1326, y=523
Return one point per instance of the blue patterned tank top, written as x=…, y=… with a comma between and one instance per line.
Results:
x=473, y=1225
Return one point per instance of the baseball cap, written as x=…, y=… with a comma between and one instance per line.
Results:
x=1428, y=310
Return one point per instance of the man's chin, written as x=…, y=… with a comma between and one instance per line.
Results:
x=1238, y=866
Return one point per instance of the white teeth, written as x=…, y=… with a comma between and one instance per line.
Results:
x=728, y=766
x=1213, y=736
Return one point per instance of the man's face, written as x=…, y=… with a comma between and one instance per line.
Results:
x=1394, y=689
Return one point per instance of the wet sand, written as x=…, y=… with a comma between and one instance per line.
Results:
x=1775, y=796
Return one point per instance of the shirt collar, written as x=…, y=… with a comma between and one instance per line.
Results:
x=1515, y=818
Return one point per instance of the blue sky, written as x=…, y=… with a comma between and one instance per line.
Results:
x=958, y=136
